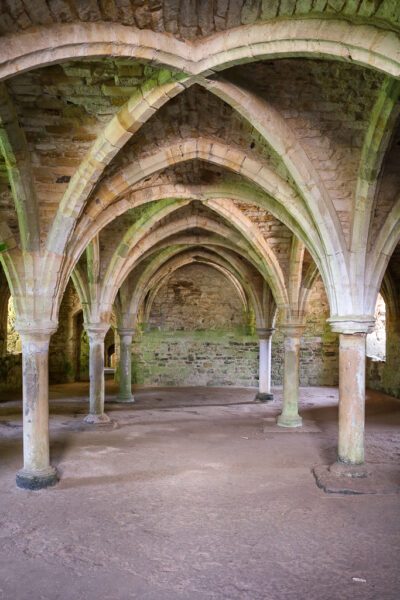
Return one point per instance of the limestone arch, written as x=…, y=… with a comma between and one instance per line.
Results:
x=176, y=227
x=379, y=256
x=236, y=219
x=337, y=39
x=331, y=260
x=377, y=141
x=89, y=228
x=161, y=277
x=177, y=257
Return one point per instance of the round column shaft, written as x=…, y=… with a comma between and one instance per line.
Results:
x=37, y=473
x=352, y=340
x=351, y=398
x=264, y=392
x=125, y=370
x=289, y=416
x=96, y=334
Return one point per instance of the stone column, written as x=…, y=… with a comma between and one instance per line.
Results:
x=37, y=473
x=289, y=416
x=264, y=392
x=351, y=387
x=125, y=365
x=351, y=398
x=96, y=333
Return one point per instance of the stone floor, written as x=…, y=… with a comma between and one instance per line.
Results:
x=191, y=495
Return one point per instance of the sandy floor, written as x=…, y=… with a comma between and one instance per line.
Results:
x=188, y=497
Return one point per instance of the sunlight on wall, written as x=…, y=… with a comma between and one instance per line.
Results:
x=376, y=341
x=14, y=344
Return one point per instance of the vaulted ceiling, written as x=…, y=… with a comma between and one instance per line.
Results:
x=261, y=137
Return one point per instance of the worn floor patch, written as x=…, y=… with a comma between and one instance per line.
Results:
x=382, y=479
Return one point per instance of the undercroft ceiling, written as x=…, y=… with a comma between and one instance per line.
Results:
x=280, y=168
x=189, y=19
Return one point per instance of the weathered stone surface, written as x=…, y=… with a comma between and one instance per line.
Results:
x=380, y=479
x=259, y=138
x=183, y=17
x=199, y=337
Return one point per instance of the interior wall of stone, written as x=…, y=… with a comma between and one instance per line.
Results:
x=10, y=343
x=63, y=343
x=198, y=334
x=109, y=346
x=69, y=345
x=384, y=375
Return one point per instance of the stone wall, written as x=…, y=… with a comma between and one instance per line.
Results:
x=63, y=343
x=11, y=361
x=11, y=373
x=198, y=298
x=69, y=346
x=384, y=375
x=219, y=357
x=198, y=334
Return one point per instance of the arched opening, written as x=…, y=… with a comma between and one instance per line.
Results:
x=109, y=353
x=110, y=362
x=376, y=347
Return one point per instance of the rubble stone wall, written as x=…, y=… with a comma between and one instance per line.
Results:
x=198, y=335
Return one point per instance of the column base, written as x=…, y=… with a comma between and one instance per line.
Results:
x=264, y=397
x=284, y=421
x=345, y=478
x=97, y=419
x=37, y=480
x=128, y=399
x=342, y=468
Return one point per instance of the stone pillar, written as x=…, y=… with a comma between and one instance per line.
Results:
x=351, y=387
x=96, y=333
x=37, y=473
x=125, y=365
x=264, y=392
x=351, y=398
x=289, y=416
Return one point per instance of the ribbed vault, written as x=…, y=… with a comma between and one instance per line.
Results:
x=259, y=138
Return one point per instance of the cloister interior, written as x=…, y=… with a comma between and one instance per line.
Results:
x=199, y=299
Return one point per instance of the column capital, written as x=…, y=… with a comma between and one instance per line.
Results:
x=352, y=324
x=125, y=331
x=35, y=327
x=292, y=329
x=264, y=333
x=96, y=331
x=35, y=335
